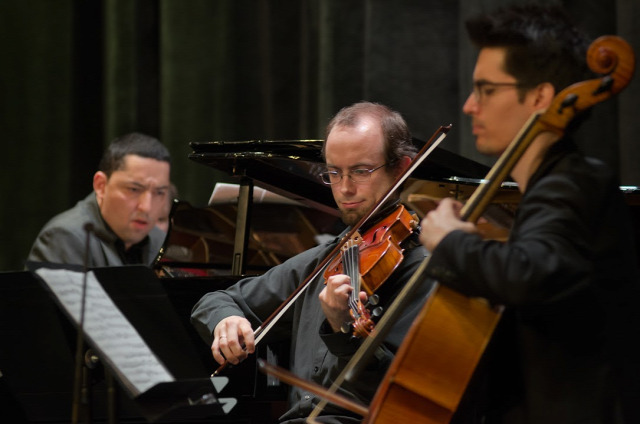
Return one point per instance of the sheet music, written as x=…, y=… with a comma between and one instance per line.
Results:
x=224, y=193
x=108, y=330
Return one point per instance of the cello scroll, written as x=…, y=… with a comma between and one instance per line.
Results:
x=608, y=55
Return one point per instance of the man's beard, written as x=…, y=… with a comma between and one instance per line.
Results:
x=351, y=217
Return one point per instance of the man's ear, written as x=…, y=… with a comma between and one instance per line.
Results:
x=405, y=162
x=544, y=95
x=99, y=184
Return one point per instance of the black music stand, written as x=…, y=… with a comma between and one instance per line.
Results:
x=38, y=351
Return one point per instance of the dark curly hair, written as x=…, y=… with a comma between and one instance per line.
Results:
x=542, y=44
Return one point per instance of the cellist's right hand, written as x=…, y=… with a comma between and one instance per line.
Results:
x=441, y=221
x=232, y=340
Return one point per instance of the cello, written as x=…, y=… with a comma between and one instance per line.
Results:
x=452, y=330
x=438, y=356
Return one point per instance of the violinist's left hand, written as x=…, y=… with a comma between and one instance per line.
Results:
x=334, y=299
x=441, y=221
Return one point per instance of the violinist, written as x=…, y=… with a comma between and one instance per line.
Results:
x=564, y=350
x=367, y=147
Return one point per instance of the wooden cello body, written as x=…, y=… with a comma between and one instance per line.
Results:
x=437, y=358
x=435, y=362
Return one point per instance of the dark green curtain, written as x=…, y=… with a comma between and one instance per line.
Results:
x=77, y=73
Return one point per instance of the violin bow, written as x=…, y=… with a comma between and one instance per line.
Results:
x=260, y=332
x=426, y=150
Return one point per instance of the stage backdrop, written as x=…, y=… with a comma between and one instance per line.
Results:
x=77, y=73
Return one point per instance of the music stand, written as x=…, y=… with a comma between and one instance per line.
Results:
x=37, y=357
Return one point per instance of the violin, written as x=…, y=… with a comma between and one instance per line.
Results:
x=260, y=332
x=369, y=260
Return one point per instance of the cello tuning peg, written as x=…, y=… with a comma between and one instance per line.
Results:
x=376, y=312
x=346, y=328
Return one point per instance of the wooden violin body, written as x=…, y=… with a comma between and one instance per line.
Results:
x=369, y=260
x=379, y=249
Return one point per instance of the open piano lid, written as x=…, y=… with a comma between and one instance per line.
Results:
x=290, y=167
x=205, y=236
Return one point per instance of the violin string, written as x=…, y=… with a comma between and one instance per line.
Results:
x=352, y=269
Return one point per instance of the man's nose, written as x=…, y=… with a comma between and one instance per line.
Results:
x=145, y=201
x=346, y=184
x=470, y=105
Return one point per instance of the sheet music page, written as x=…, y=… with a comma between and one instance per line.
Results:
x=225, y=193
x=108, y=330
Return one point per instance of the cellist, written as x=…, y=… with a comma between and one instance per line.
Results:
x=367, y=147
x=564, y=351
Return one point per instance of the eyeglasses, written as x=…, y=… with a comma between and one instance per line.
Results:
x=358, y=175
x=483, y=89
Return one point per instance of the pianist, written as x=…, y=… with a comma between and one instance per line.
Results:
x=367, y=146
x=130, y=191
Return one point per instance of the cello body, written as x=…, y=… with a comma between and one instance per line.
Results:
x=435, y=363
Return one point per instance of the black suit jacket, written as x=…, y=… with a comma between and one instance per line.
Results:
x=564, y=351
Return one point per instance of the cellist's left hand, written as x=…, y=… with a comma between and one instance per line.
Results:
x=334, y=299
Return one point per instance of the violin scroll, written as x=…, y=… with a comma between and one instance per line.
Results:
x=363, y=315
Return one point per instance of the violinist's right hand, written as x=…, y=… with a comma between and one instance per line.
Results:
x=232, y=340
